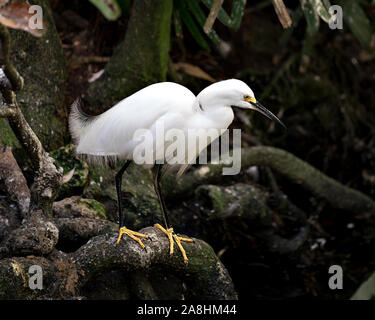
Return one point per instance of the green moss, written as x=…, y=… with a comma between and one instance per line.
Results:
x=7, y=136
x=206, y=257
x=95, y=206
x=218, y=198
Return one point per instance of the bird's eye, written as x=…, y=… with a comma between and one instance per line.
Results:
x=248, y=98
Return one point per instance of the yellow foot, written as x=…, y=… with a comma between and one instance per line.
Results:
x=172, y=236
x=132, y=234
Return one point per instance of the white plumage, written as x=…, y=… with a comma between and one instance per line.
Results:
x=111, y=134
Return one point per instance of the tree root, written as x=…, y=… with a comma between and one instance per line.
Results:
x=38, y=235
x=64, y=275
x=251, y=205
x=83, y=229
x=14, y=181
x=292, y=168
x=205, y=276
x=48, y=176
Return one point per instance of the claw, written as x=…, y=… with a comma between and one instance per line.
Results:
x=174, y=238
x=132, y=234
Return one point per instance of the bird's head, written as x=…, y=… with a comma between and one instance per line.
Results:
x=235, y=93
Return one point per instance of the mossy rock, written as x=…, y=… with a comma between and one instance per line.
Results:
x=78, y=207
x=95, y=207
x=67, y=159
x=239, y=200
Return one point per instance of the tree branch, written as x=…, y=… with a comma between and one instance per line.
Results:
x=282, y=13
x=48, y=177
x=14, y=180
x=212, y=16
x=6, y=111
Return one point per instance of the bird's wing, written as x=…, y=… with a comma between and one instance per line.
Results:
x=111, y=133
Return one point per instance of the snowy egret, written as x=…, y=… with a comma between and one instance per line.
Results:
x=110, y=136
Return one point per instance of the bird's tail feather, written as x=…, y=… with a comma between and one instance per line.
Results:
x=78, y=120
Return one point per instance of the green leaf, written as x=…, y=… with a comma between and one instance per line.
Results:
x=311, y=16
x=191, y=25
x=238, y=9
x=356, y=19
x=109, y=8
x=321, y=7
x=177, y=23
x=222, y=16
x=326, y=3
x=199, y=15
x=189, y=8
x=234, y=20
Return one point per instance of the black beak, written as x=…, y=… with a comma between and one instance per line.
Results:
x=267, y=113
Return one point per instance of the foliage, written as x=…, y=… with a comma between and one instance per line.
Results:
x=112, y=9
x=193, y=14
x=190, y=12
x=194, y=17
x=356, y=19
x=353, y=14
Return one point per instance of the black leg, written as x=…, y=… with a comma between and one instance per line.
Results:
x=118, y=189
x=157, y=177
